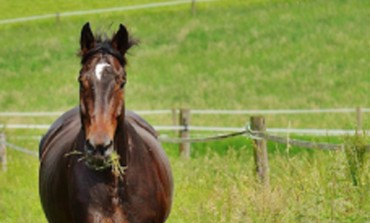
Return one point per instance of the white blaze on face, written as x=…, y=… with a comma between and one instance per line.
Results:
x=99, y=69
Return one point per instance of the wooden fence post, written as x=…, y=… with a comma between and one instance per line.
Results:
x=358, y=120
x=260, y=150
x=174, y=119
x=57, y=16
x=184, y=133
x=3, y=152
x=193, y=7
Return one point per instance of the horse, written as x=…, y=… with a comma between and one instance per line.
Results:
x=98, y=161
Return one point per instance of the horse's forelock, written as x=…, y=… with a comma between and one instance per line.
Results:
x=103, y=44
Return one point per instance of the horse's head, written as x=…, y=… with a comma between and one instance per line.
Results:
x=102, y=79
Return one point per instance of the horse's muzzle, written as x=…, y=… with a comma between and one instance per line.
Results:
x=98, y=153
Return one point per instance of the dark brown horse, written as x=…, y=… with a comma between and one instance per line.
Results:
x=77, y=179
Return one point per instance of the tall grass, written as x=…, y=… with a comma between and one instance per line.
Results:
x=219, y=185
x=355, y=150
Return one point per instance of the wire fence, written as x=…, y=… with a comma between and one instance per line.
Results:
x=58, y=15
x=21, y=149
x=256, y=132
x=295, y=131
x=267, y=134
x=247, y=133
x=176, y=112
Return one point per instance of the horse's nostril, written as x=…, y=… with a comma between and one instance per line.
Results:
x=98, y=148
x=108, y=144
x=89, y=147
x=104, y=147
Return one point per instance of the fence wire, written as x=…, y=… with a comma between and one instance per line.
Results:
x=98, y=11
x=21, y=149
x=205, y=139
x=255, y=135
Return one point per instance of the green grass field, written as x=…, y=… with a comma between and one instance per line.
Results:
x=231, y=54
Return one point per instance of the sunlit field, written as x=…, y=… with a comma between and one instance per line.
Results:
x=230, y=54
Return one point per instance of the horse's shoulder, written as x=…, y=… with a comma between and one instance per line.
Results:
x=145, y=150
x=140, y=132
x=62, y=131
x=133, y=119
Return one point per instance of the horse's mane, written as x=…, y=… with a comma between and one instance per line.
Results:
x=103, y=44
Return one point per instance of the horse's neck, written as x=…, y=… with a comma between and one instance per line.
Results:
x=121, y=141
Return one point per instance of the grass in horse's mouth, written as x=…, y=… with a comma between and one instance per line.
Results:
x=111, y=161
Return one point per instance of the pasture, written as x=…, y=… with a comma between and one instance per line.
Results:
x=231, y=54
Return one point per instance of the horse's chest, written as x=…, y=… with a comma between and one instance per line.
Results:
x=115, y=215
x=96, y=199
x=104, y=206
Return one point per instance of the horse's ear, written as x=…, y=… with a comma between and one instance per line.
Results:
x=121, y=40
x=87, y=40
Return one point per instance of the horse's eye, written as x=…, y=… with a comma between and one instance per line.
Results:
x=121, y=81
x=81, y=82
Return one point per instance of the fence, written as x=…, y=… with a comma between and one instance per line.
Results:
x=257, y=131
x=58, y=15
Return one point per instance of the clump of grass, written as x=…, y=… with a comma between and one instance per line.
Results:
x=117, y=169
x=111, y=161
x=355, y=150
